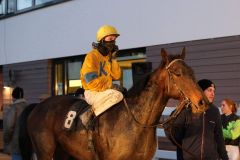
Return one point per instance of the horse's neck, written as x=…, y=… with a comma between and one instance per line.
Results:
x=149, y=106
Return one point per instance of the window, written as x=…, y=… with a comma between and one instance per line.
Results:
x=127, y=78
x=22, y=4
x=42, y=1
x=2, y=7
x=125, y=60
x=14, y=7
x=11, y=6
x=66, y=76
x=59, y=79
x=73, y=78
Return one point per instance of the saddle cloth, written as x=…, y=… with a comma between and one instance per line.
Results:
x=99, y=101
x=71, y=121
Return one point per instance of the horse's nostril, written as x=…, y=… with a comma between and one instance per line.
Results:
x=201, y=102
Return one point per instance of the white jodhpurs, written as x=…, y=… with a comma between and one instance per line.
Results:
x=101, y=101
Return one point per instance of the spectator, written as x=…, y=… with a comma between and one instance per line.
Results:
x=231, y=128
x=11, y=124
x=200, y=136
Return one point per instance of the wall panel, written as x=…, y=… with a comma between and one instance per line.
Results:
x=33, y=77
x=216, y=59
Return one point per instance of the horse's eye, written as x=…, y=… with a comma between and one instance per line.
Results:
x=177, y=73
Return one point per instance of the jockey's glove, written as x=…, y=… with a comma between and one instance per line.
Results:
x=114, y=52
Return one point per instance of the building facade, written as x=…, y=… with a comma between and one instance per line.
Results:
x=43, y=42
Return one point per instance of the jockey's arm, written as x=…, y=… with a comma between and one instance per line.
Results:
x=98, y=84
x=115, y=70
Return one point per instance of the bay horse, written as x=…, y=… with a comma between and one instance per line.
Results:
x=126, y=130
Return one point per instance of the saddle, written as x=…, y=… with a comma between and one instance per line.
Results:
x=85, y=113
x=78, y=115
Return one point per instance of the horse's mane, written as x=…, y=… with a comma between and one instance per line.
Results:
x=137, y=88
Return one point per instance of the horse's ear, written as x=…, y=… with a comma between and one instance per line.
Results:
x=164, y=56
x=183, y=53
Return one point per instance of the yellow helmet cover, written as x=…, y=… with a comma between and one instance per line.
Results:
x=106, y=30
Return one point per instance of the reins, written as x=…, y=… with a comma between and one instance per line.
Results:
x=185, y=102
x=179, y=107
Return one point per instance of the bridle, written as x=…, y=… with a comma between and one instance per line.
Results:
x=184, y=103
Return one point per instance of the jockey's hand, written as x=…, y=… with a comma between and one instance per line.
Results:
x=119, y=88
x=114, y=52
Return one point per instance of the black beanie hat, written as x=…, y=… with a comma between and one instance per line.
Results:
x=205, y=83
x=17, y=93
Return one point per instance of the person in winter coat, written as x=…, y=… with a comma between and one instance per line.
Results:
x=199, y=136
x=231, y=128
x=11, y=124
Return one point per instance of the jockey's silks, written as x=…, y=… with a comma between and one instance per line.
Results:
x=98, y=71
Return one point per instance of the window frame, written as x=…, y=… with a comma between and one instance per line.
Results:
x=28, y=9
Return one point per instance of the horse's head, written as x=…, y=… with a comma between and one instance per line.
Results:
x=180, y=82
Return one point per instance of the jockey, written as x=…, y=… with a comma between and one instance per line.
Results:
x=100, y=67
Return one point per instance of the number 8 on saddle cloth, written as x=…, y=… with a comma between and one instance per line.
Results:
x=72, y=120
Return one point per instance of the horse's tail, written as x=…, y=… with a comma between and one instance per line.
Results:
x=25, y=144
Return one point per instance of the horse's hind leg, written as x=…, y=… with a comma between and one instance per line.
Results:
x=60, y=154
x=44, y=145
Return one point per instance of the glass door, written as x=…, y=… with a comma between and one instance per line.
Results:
x=66, y=79
x=59, y=78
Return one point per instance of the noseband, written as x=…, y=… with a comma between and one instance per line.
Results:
x=186, y=100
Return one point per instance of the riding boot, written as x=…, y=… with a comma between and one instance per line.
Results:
x=87, y=120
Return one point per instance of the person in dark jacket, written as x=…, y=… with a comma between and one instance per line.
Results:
x=231, y=128
x=199, y=136
x=11, y=124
